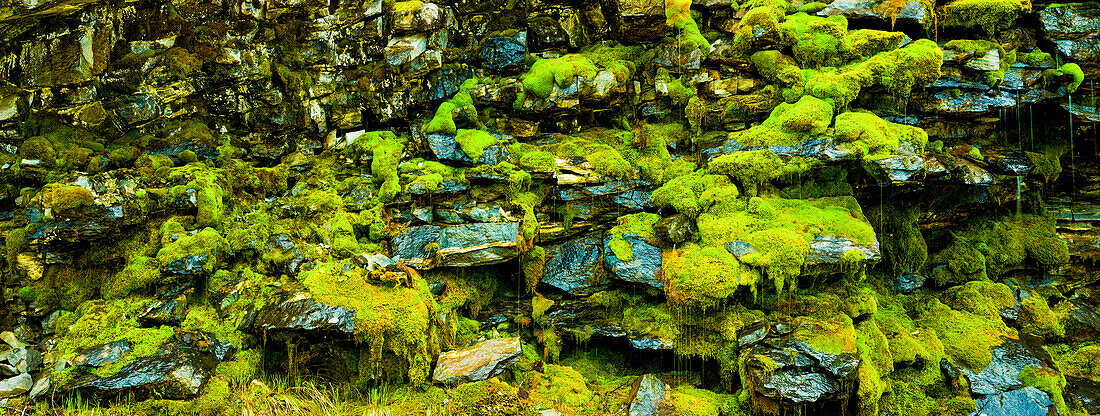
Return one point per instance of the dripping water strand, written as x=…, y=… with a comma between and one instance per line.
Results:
x=1072, y=165
x=1031, y=126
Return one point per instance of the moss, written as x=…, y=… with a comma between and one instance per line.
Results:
x=703, y=276
x=206, y=246
x=563, y=71
x=1038, y=318
x=1073, y=70
x=678, y=15
x=683, y=192
x=443, y=121
x=1035, y=58
x=876, y=137
x=138, y=273
x=789, y=124
x=561, y=387
x=756, y=168
x=39, y=148
x=101, y=322
x=1081, y=362
x=966, y=337
x=206, y=188
x=398, y=319
x=27, y=294
x=474, y=142
x=385, y=150
x=816, y=41
x=404, y=6
x=538, y=161
x=990, y=16
x=65, y=198
x=691, y=401
x=866, y=43
x=1049, y=381
x=991, y=246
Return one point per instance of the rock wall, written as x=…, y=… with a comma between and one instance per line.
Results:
x=500, y=207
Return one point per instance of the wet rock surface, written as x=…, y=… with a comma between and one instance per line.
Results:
x=477, y=362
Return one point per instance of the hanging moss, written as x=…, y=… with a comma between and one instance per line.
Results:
x=703, y=276
x=682, y=193
x=966, y=337
x=1073, y=70
x=757, y=167
x=876, y=137
x=397, y=319
x=678, y=15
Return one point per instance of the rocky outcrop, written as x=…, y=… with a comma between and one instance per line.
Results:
x=477, y=362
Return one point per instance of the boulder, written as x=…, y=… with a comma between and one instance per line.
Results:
x=788, y=371
x=104, y=354
x=465, y=245
x=576, y=266
x=478, y=362
x=998, y=389
x=504, y=52
x=298, y=312
x=644, y=267
x=650, y=397
x=176, y=372
x=15, y=386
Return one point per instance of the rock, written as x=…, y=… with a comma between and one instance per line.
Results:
x=16, y=385
x=998, y=388
x=800, y=374
x=464, y=245
x=299, y=312
x=159, y=312
x=445, y=147
x=644, y=267
x=1084, y=391
x=991, y=61
x=503, y=52
x=641, y=20
x=176, y=372
x=23, y=359
x=576, y=266
x=911, y=13
x=402, y=50
x=104, y=354
x=650, y=397
x=41, y=387
x=675, y=229
x=10, y=339
x=1027, y=401
x=907, y=283
x=478, y=362
x=828, y=251
x=427, y=17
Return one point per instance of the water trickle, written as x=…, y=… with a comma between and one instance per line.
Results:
x=1072, y=164
x=1031, y=126
x=1019, y=184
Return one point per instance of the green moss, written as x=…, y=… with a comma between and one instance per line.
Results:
x=100, y=322
x=404, y=6
x=560, y=387
x=207, y=188
x=474, y=142
x=38, y=148
x=990, y=16
x=563, y=71
x=789, y=124
x=966, y=337
x=865, y=43
x=16, y=242
x=138, y=273
x=690, y=401
x=443, y=121
x=385, y=150
x=678, y=15
x=816, y=41
x=1081, y=362
x=876, y=137
x=64, y=198
x=703, y=276
x=27, y=294
x=398, y=319
x=1049, y=381
x=206, y=246
x=989, y=247
x=621, y=248
x=756, y=168
x=1035, y=58
x=1075, y=71
x=683, y=192
x=813, y=7
x=538, y=161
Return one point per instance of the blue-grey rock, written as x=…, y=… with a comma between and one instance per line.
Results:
x=104, y=354
x=479, y=362
x=298, y=313
x=644, y=268
x=463, y=245
x=576, y=266
x=501, y=52
x=651, y=397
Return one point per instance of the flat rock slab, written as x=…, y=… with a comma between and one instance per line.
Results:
x=576, y=266
x=465, y=245
x=643, y=268
x=16, y=385
x=479, y=362
x=299, y=313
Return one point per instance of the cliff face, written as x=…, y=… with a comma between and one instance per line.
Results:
x=690, y=207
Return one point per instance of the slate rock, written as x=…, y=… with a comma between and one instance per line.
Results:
x=174, y=373
x=104, y=354
x=15, y=386
x=651, y=397
x=576, y=266
x=478, y=362
x=644, y=267
x=299, y=312
x=465, y=245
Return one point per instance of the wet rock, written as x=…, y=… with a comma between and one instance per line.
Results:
x=1084, y=391
x=445, y=147
x=160, y=312
x=576, y=266
x=16, y=385
x=644, y=267
x=1074, y=29
x=641, y=20
x=675, y=229
x=402, y=50
x=650, y=397
x=463, y=245
x=997, y=387
x=301, y=313
x=41, y=387
x=1027, y=401
x=1085, y=314
x=800, y=374
x=909, y=282
x=479, y=362
x=856, y=10
x=829, y=251
x=991, y=61
x=425, y=18
x=22, y=359
x=504, y=52
x=109, y=205
x=502, y=310
x=176, y=372
x=104, y=354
